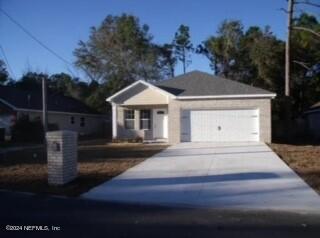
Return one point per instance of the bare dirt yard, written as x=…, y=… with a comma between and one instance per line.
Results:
x=303, y=159
x=26, y=170
x=99, y=161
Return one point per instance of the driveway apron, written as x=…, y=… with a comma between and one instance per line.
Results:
x=212, y=175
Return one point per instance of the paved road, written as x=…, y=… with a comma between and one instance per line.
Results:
x=85, y=218
x=212, y=175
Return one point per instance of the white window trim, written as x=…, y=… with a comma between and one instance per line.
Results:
x=129, y=119
x=145, y=119
x=125, y=120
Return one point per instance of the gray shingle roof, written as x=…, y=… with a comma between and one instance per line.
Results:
x=198, y=83
x=32, y=100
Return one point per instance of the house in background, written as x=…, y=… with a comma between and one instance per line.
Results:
x=192, y=107
x=64, y=113
x=313, y=120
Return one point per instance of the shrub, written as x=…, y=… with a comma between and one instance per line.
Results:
x=25, y=130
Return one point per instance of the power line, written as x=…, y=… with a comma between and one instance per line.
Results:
x=7, y=62
x=35, y=38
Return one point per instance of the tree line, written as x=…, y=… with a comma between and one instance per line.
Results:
x=121, y=50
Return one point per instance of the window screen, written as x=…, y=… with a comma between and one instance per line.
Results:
x=145, y=119
x=129, y=119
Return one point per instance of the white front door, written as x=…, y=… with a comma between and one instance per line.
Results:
x=220, y=125
x=160, y=123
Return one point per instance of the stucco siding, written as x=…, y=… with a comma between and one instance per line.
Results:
x=176, y=106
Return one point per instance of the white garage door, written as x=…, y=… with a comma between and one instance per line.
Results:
x=220, y=125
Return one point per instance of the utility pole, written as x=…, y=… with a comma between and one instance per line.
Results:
x=44, y=106
x=287, y=101
x=288, y=48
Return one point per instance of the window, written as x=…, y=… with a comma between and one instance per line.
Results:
x=72, y=120
x=82, y=122
x=145, y=119
x=129, y=119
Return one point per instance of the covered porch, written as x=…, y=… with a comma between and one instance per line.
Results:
x=140, y=112
x=148, y=122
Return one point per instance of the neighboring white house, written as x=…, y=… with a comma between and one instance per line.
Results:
x=64, y=113
x=192, y=107
x=313, y=120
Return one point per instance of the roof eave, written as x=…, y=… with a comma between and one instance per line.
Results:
x=58, y=112
x=271, y=95
x=312, y=110
x=109, y=99
x=8, y=104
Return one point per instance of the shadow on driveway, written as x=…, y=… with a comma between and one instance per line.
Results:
x=198, y=179
x=83, y=218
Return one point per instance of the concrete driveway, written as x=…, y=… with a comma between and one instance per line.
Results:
x=212, y=175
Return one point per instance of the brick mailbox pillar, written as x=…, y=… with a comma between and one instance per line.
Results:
x=62, y=156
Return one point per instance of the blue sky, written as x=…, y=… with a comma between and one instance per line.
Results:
x=60, y=24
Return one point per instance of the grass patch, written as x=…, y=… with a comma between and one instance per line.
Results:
x=26, y=170
x=304, y=159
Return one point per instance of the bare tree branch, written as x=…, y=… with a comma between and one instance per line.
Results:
x=307, y=3
x=303, y=64
x=307, y=30
x=284, y=10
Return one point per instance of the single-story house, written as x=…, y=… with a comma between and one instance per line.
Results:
x=64, y=113
x=195, y=106
x=313, y=120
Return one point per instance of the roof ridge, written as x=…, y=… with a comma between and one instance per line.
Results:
x=192, y=83
x=180, y=75
x=240, y=83
x=18, y=98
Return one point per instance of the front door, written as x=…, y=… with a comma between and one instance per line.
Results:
x=160, y=123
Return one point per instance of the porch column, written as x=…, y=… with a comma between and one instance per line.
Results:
x=114, y=121
x=137, y=119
